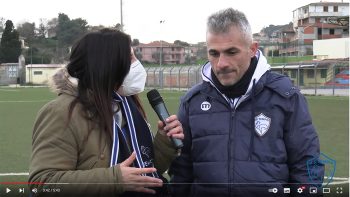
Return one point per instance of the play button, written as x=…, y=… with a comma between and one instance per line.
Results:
x=7, y=190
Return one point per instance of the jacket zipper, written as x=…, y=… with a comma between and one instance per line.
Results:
x=231, y=152
x=231, y=114
x=232, y=107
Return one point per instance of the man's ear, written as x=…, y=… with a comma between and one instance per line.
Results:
x=253, y=49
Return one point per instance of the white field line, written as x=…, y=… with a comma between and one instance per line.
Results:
x=35, y=101
x=15, y=174
x=6, y=90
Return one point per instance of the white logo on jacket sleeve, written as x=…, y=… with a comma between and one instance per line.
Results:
x=262, y=124
x=205, y=106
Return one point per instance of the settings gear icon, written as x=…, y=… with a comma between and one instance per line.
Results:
x=300, y=190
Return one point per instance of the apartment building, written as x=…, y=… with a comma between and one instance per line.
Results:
x=317, y=21
x=286, y=41
x=160, y=50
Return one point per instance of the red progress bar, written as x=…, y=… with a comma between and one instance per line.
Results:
x=21, y=183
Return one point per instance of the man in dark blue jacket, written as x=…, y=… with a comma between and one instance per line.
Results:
x=247, y=130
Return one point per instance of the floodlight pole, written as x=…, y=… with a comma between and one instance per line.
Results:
x=160, y=60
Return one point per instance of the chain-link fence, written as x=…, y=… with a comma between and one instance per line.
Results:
x=322, y=78
x=175, y=77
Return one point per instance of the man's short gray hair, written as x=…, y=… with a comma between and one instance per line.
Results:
x=223, y=20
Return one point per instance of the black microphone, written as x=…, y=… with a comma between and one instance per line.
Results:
x=158, y=105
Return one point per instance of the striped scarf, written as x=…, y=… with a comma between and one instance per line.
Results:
x=135, y=131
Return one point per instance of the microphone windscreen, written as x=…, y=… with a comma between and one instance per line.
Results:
x=154, y=97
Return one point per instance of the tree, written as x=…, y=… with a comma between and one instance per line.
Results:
x=63, y=27
x=181, y=43
x=79, y=27
x=27, y=31
x=69, y=30
x=96, y=28
x=52, y=27
x=10, y=46
x=2, y=20
x=38, y=56
x=135, y=42
x=43, y=27
x=118, y=26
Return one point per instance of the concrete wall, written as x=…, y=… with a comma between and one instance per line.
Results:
x=40, y=74
x=331, y=48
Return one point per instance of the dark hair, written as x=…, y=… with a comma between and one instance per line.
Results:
x=100, y=60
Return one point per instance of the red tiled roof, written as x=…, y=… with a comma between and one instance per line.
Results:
x=157, y=44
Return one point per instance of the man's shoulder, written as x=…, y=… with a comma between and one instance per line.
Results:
x=281, y=84
x=193, y=91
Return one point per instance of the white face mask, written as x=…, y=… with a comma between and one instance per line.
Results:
x=134, y=82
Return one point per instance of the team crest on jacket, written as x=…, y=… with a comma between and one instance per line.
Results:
x=262, y=124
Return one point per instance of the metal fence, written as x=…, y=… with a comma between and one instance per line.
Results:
x=322, y=78
x=174, y=77
x=325, y=78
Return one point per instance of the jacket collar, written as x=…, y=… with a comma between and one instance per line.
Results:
x=261, y=68
x=62, y=83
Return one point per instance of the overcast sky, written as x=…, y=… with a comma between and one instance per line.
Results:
x=184, y=19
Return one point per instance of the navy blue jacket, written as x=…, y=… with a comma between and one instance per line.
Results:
x=262, y=142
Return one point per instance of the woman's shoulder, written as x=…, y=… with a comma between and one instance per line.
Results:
x=59, y=108
x=58, y=105
x=54, y=115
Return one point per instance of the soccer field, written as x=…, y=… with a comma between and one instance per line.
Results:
x=19, y=106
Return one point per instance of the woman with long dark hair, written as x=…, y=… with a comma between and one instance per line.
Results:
x=93, y=139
